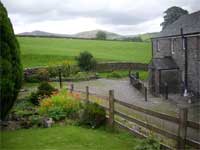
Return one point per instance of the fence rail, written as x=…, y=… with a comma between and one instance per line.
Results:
x=182, y=121
x=138, y=84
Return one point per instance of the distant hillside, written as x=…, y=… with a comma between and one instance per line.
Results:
x=91, y=35
x=42, y=33
x=148, y=36
x=86, y=34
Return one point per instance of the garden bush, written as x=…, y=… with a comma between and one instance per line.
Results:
x=44, y=90
x=148, y=144
x=60, y=105
x=86, y=61
x=114, y=74
x=41, y=74
x=66, y=69
x=92, y=115
x=10, y=64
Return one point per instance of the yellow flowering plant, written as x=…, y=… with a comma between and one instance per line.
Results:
x=60, y=105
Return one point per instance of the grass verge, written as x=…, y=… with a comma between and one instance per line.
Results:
x=66, y=137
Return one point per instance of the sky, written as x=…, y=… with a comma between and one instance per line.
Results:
x=126, y=17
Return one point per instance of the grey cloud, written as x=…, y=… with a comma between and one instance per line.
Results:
x=103, y=11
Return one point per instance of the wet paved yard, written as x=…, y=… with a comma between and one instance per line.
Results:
x=124, y=91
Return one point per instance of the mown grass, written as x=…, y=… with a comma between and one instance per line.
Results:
x=45, y=51
x=123, y=74
x=68, y=138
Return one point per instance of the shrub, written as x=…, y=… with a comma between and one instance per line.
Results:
x=44, y=90
x=149, y=144
x=38, y=75
x=34, y=98
x=42, y=74
x=114, y=75
x=35, y=120
x=92, y=115
x=86, y=61
x=65, y=68
x=10, y=64
x=101, y=35
x=32, y=78
x=60, y=105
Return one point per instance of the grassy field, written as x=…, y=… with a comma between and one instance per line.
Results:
x=68, y=138
x=45, y=51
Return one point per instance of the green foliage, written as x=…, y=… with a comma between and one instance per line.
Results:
x=41, y=74
x=82, y=76
x=149, y=144
x=32, y=78
x=66, y=138
x=123, y=74
x=35, y=120
x=11, y=69
x=65, y=68
x=44, y=90
x=44, y=51
x=86, y=61
x=34, y=98
x=57, y=113
x=60, y=105
x=101, y=35
x=134, y=39
x=114, y=74
x=93, y=115
x=172, y=14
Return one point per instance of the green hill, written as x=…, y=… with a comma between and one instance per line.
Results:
x=45, y=51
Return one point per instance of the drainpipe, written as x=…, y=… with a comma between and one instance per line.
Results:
x=184, y=46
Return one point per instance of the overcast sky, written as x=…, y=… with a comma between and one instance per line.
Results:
x=72, y=16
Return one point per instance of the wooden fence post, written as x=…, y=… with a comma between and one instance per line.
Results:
x=137, y=74
x=60, y=78
x=111, y=108
x=71, y=88
x=145, y=93
x=166, y=91
x=182, y=128
x=87, y=94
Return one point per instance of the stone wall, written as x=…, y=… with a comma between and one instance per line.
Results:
x=193, y=49
x=120, y=66
x=101, y=67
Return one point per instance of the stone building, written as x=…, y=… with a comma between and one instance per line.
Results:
x=176, y=57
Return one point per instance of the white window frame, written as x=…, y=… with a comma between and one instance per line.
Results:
x=172, y=46
x=158, y=46
x=183, y=43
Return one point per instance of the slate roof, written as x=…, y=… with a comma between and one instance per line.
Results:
x=166, y=63
x=189, y=23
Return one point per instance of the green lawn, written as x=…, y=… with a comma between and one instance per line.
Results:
x=45, y=51
x=123, y=74
x=66, y=138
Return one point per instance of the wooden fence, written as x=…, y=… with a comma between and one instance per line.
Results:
x=182, y=121
x=138, y=84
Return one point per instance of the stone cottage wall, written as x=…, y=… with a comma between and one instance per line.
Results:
x=193, y=46
x=164, y=46
x=193, y=64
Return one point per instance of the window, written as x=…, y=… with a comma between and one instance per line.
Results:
x=158, y=46
x=183, y=42
x=172, y=46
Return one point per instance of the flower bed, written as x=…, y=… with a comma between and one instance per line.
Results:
x=60, y=105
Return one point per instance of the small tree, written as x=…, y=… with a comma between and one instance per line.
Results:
x=172, y=14
x=101, y=35
x=11, y=69
x=86, y=61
